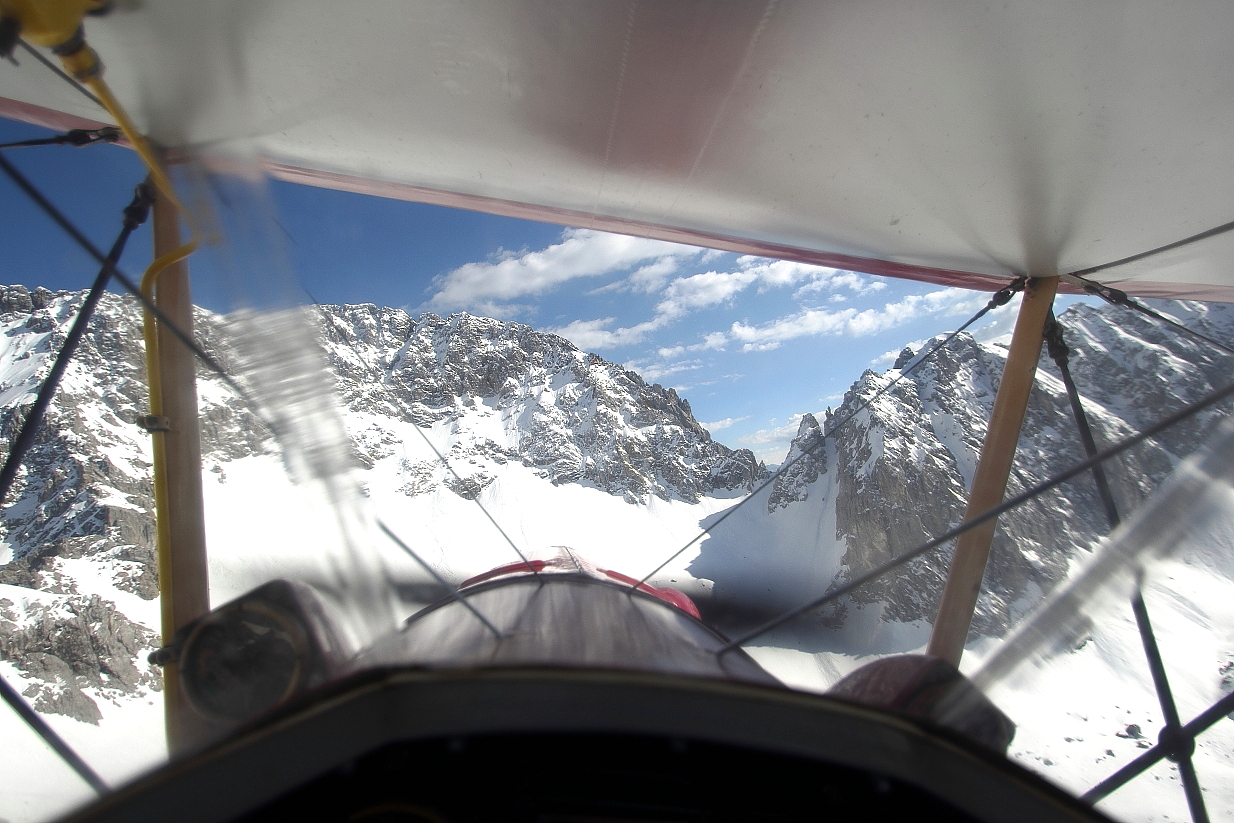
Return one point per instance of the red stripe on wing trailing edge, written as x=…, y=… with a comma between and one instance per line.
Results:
x=61, y=121
x=47, y=118
x=618, y=225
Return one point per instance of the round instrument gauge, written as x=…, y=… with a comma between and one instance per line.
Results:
x=238, y=662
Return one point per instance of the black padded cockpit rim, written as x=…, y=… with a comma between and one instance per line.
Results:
x=348, y=719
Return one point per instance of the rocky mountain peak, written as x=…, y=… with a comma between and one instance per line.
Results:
x=805, y=460
x=573, y=416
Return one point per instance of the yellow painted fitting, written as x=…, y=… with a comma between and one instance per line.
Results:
x=49, y=23
x=83, y=63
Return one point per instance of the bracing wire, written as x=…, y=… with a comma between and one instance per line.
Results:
x=1000, y=298
x=39, y=725
x=1058, y=350
x=989, y=514
x=1117, y=297
x=1186, y=241
x=454, y=592
x=134, y=215
x=72, y=137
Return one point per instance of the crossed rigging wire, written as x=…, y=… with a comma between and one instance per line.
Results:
x=1000, y=298
x=134, y=215
x=1175, y=742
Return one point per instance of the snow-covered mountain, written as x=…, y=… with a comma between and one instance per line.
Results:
x=561, y=447
x=496, y=393
x=581, y=448
x=897, y=473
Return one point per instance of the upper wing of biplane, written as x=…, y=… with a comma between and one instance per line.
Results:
x=957, y=143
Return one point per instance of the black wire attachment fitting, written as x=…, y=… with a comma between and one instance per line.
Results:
x=1176, y=744
x=136, y=212
x=1055, y=345
x=164, y=655
x=10, y=34
x=154, y=423
x=1111, y=295
x=86, y=137
x=1003, y=296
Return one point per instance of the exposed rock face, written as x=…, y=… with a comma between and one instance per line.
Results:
x=904, y=464
x=74, y=643
x=84, y=487
x=805, y=460
x=573, y=416
x=890, y=476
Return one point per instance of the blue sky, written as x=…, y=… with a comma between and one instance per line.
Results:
x=750, y=342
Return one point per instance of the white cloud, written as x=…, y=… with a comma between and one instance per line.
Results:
x=831, y=280
x=591, y=335
x=850, y=322
x=711, y=341
x=686, y=294
x=655, y=371
x=720, y=425
x=771, y=444
x=698, y=291
x=581, y=253
x=648, y=279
